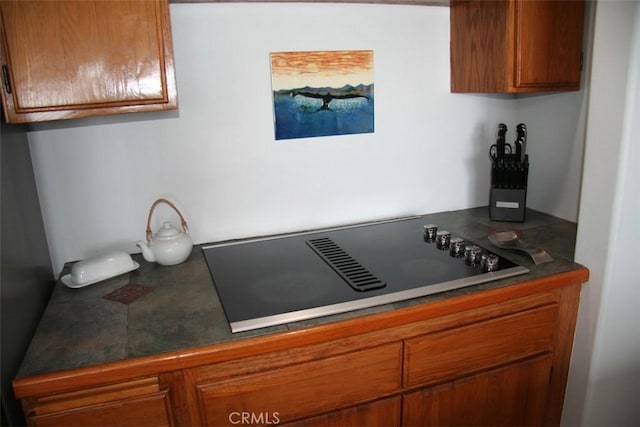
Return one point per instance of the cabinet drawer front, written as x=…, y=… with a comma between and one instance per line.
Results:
x=450, y=354
x=96, y=395
x=303, y=389
x=152, y=411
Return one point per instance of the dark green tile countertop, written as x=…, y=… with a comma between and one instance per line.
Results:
x=182, y=310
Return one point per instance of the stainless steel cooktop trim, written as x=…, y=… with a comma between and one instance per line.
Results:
x=307, y=232
x=343, y=307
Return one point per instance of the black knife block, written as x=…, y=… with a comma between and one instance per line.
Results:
x=508, y=194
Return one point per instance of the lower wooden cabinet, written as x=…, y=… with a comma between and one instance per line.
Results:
x=486, y=359
x=384, y=413
x=515, y=395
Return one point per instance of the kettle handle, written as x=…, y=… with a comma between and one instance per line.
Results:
x=153, y=206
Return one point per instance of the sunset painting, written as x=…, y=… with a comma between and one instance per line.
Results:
x=322, y=93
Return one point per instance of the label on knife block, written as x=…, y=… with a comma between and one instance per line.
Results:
x=507, y=204
x=508, y=197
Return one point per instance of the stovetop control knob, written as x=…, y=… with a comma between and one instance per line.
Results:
x=430, y=231
x=443, y=238
x=456, y=247
x=472, y=255
x=490, y=262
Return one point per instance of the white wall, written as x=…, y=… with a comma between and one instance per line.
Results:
x=556, y=129
x=218, y=160
x=604, y=380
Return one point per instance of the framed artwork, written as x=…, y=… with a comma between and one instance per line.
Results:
x=322, y=93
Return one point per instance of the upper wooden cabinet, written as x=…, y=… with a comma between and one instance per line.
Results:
x=511, y=46
x=67, y=59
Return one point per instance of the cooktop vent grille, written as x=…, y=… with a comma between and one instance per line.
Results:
x=357, y=276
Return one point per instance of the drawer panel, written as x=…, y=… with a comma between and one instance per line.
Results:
x=96, y=395
x=304, y=389
x=145, y=411
x=455, y=352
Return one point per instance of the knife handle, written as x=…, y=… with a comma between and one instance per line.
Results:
x=522, y=137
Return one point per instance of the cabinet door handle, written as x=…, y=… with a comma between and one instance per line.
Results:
x=5, y=79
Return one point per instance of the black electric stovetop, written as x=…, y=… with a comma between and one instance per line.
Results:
x=272, y=281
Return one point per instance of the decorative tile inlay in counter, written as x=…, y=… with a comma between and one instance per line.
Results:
x=128, y=293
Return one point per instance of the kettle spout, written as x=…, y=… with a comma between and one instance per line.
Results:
x=147, y=254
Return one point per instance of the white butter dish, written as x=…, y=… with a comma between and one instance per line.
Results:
x=97, y=269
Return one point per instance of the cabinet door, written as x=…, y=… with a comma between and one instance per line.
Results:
x=511, y=46
x=548, y=43
x=510, y=396
x=64, y=59
x=385, y=412
x=479, y=46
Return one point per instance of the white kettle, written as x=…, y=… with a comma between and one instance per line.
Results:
x=169, y=246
